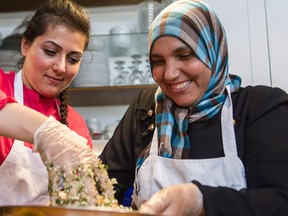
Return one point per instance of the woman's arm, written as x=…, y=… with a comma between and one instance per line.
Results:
x=262, y=127
x=20, y=122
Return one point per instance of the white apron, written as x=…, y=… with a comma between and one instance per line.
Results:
x=158, y=172
x=24, y=179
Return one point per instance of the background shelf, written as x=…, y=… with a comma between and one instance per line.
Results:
x=104, y=95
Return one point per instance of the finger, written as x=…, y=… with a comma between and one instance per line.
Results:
x=157, y=203
x=147, y=209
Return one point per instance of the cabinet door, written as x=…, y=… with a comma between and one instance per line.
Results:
x=247, y=54
x=277, y=25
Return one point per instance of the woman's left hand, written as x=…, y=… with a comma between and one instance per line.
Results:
x=182, y=199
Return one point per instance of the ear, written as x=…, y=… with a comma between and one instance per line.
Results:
x=24, y=46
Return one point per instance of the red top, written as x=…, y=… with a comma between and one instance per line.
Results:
x=44, y=105
x=5, y=99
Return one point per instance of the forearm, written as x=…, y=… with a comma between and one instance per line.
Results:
x=221, y=201
x=20, y=122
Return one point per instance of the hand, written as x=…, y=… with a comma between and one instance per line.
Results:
x=182, y=199
x=76, y=176
x=59, y=145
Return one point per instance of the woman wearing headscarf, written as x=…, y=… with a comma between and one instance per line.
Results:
x=200, y=144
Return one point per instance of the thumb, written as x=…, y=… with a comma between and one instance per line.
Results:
x=156, y=204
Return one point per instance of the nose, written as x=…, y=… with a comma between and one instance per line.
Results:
x=60, y=65
x=171, y=70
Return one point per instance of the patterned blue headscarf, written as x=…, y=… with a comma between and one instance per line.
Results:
x=197, y=25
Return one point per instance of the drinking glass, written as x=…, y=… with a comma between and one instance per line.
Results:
x=136, y=77
x=121, y=79
x=148, y=74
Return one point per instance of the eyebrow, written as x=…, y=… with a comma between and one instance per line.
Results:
x=53, y=43
x=182, y=48
x=177, y=50
x=59, y=47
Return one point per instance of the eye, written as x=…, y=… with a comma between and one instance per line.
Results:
x=185, y=56
x=50, y=52
x=73, y=59
x=157, y=62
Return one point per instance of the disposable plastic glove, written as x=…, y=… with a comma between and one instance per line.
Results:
x=181, y=199
x=76, y=176
x=60, y=145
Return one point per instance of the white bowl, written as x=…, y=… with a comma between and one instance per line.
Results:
x=120, y=39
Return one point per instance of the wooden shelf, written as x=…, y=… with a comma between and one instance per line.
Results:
x=104, y=95
x=27, y=5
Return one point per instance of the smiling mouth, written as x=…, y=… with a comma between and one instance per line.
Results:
x=55, y=79
x=180, y=85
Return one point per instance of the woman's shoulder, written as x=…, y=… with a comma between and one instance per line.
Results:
x=6, y=81
x=7, y=74
x=145, y=97
x=259, y=98
x=74, y=118
x=74, y=115
x=262, y=93
x=77, y=123
x=260, y=89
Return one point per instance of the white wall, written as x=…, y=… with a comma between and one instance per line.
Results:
x=237, y=31
x=277, y=25
x=244, y=22
x=259, y=43
x=257, y=34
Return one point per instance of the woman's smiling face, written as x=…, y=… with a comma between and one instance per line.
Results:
x=52, y=60
x=179, y=73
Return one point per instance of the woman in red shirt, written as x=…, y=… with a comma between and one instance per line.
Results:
x=52, y=47
x=57, y=145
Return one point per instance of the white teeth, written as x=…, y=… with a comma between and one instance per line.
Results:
x=180, y=85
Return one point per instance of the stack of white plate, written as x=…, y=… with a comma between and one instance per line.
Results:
x=9, y=59
x=147, y=11
x=94, y=70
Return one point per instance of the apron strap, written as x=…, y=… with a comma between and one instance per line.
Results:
x=18, y=87
x=227, y=126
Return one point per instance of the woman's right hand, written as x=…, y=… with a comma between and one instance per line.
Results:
x=72, y=165
x=58, y=144
x=182, y=199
